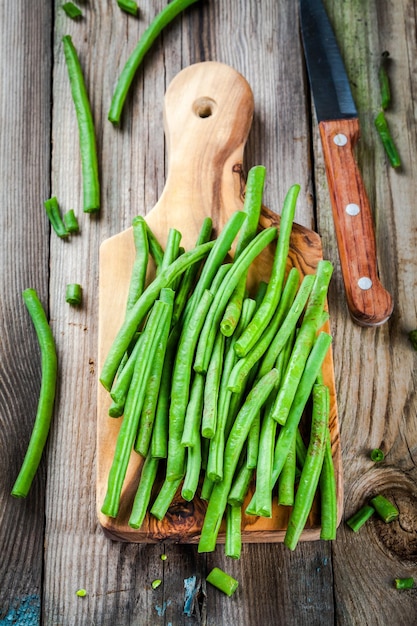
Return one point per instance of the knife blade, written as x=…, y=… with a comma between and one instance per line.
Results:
x=369, y=303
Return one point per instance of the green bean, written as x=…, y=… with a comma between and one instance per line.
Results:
x=165, y=497
x=288, y=312
x=211, y=388
x=384, y=132
x=384, y=82
x=262, y=503
x=240, y=486
x=212, y=322
x=192, y=472
x=284, y=338
x=286, y=480
x=74, y=294
x=312, y=468
x=147, y=417
x=194, y=412
x=264, y=469
x=189, y=276
x=377, y=455
x=88, y=148
x=72, y=10
x=217, y=443
x=404, y=583
x=172, y=248
x=45, y=407
x=71, y=222
x=252, y=207
x=217, y=255
x=207, y=486
x=358, y=519
x=328, y=495
x=223, y=581
x=141, y=308
x=54, y=215
x=384, y=508
x=159, y=443
x=253, y=443
x=133, y=407
x=129, y=6
x=288, y=431
x=155, y=248
x=180, y=387
x=304, y=341
x=167, y=14
x=238, y=434
x=140, y=264
x=273, y=294
x=233, y=542
x=143, y=493
x=120, y=388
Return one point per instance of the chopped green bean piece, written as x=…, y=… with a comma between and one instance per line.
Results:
x=129, y=6
x=74, y=294
x=404, y=583
x=384, y=132
x=55, y=218
x=72, y=10
x=223, y=581
x=377, y=455
x=71, y=222
x=385, y=509
x=384, y=82
x=360, y=517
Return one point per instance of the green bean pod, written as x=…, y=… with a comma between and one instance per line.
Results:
x=44, y=413
x=273, y=293
x=88, y=148
x=310, y=474
x=238, y=434
x=138, y=312
x=127, y=75
x=384, y=133
x=143, y=493
x=133, y=407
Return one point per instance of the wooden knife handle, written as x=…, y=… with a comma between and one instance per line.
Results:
x=368, y=302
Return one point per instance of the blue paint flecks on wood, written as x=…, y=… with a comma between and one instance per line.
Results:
x=159, y=609
x=23, y=612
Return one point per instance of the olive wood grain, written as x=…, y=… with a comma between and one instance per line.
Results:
x=368, y=301
x=207, y=117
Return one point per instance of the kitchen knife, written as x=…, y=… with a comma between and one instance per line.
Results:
x=369, y=303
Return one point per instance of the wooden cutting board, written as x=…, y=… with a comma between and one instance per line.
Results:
x=208, y=111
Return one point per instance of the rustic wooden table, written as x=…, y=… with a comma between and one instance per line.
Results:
x=51, y=543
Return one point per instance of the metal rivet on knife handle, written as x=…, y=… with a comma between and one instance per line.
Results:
x=352, y=209
x=365, y=283
x=340, y=140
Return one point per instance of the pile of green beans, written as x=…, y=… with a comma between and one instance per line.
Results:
x=216, y=408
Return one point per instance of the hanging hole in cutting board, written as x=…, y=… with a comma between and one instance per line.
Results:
x=204, y=107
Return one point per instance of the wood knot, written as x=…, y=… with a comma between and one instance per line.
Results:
x=399, y=538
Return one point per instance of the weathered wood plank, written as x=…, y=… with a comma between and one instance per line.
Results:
x=24, y=183
x=375, y=377
x=133, y=170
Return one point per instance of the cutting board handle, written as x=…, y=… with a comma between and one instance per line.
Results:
x=208, y=110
